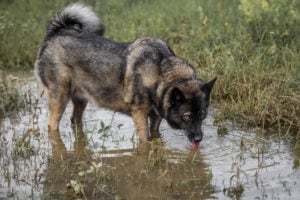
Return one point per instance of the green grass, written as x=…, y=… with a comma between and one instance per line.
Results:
x=10, y=99
x=251, y=46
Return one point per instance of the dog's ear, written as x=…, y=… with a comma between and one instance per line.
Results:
x=176, y=98
x=207, y=87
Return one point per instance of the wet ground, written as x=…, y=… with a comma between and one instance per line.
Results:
x=105, y=161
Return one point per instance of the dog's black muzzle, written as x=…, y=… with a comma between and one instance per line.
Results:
x=195, y=136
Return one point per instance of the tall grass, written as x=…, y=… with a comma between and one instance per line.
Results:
x=10, y=99
x=252, y=46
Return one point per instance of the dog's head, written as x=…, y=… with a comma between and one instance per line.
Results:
x=188, y=106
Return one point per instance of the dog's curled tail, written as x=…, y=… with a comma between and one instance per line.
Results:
x=76, y=15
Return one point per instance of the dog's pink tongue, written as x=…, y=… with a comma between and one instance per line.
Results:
x=195, y=145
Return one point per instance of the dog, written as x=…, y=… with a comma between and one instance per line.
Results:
x=143, y=78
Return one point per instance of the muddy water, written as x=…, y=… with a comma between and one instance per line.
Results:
x=103, y=160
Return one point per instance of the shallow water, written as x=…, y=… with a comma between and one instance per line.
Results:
x=105, y=161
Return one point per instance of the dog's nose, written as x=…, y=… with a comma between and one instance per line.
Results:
x=197, y=139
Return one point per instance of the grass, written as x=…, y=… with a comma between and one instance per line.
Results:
x=252, y=47
x=14, y=99
x=10, y=99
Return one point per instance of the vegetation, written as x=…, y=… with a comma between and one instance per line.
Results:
x=10, y=99
x=251, y=46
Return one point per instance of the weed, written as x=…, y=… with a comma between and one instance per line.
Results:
x=234, y=192
x=222, y=130
x=10, y=100
x=104, y=130
x=296, y=163
x=23, y=148
x=77, y=189
x=158, y=156
x=93, y=174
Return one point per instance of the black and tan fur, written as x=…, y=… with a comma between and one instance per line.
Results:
x=143, y=78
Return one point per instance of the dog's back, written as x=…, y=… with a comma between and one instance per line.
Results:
x=75, y=60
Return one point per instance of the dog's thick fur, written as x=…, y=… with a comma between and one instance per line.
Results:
x=143, y=78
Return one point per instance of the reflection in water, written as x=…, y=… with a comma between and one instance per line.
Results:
x=151, y=172
x=63, y=163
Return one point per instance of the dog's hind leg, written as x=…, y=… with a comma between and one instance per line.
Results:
x=58, y=97
x=79, y=106
x=57, y=106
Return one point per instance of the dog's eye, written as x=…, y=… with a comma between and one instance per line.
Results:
x=187, y=116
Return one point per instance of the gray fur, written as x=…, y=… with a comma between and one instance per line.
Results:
x=139, y=78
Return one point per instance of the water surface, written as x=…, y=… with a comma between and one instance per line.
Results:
x=105, y=161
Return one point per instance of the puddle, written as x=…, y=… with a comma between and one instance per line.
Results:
x=104, y=161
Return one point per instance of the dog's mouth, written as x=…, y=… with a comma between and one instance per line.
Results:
x=195, y=140
x=195, y=145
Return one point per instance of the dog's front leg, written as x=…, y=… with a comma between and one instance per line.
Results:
x=140, y=118
x=155, y=121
